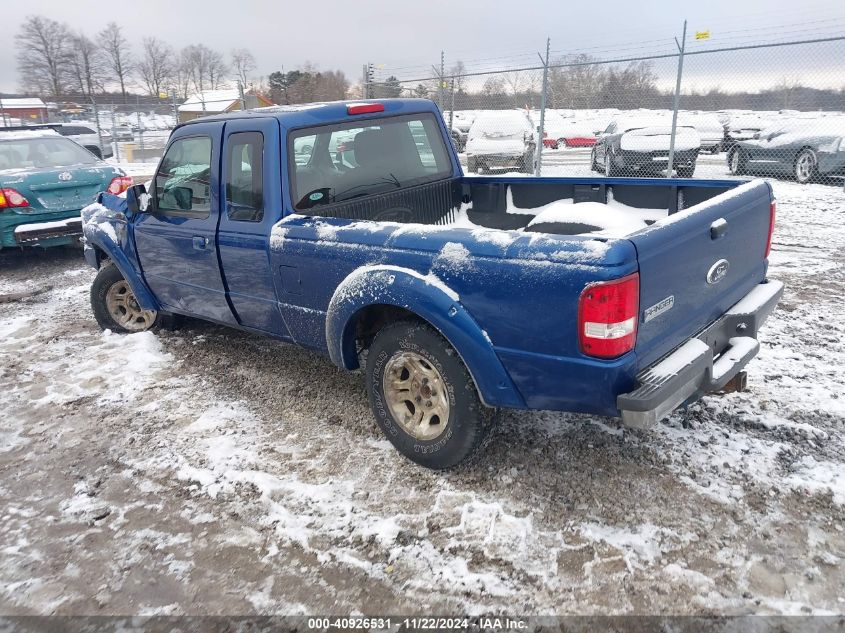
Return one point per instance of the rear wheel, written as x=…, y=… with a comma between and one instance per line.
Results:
x=114, y=304
x=806, y=166
x=593, y=165
x=95, y=150
x=737, y=161
x=423, y=397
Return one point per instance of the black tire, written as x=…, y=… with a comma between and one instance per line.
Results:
x=95, y=150
x=609, y=169
x=469, y=421
x=107, y=277
x=737, y=161
x=593, y=165
x=686, y=172
x=472, y=164
x=805, y=168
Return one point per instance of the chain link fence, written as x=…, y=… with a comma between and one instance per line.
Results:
x=775, y=109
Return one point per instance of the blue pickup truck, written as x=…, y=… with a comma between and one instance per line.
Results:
x=350, y=228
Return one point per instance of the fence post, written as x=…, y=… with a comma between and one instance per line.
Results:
x=538, y=161
x=175, y=109
x=241, y=94
x=97, y=121
x=114, y=136
x=140, y=128
x=452, y=107
x=677, y=101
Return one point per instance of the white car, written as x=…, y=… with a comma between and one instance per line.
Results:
x=502, y=139
x=86, y=135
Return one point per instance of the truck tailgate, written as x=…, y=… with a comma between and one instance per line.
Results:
x=697, y=263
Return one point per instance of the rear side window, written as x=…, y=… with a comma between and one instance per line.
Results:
x=334, y=163
x=245, y=177
x=183, y=182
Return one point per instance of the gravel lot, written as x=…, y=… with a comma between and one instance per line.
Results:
x=207, y=471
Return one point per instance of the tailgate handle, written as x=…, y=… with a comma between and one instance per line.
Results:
x=718, y=228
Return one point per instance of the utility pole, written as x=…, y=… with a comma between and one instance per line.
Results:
x=677, y=101
x=441, y=97
x=540, y=130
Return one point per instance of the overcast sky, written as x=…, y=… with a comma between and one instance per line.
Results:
x=407, y=37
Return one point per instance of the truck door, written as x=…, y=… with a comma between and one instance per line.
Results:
x=252, y=203
x=176, y=242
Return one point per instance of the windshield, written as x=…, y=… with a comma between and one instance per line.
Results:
x=333, y=163
x=43, y=153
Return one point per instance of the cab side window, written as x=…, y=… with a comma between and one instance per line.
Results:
x=183, y=182
x=245, y=177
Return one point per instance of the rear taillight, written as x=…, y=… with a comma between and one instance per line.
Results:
x=607, y=317
x=772, y=210
x=364, y=108
x=11, y=198
x=119, y=184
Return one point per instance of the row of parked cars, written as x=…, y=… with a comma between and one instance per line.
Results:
x=637, y=143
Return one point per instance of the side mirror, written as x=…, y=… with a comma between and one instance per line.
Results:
x=137, y=199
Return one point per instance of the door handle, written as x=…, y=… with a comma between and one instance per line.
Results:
x=200, y=243
x=718, y=229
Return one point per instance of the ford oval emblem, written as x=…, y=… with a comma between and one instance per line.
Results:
x=718, y=271
x=65, y=176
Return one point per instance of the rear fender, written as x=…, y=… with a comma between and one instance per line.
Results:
x=431, y=300
x=106, y=234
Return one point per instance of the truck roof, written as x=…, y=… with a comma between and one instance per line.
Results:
x=303, y=114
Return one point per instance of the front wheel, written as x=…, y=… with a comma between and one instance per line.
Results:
x=737, y=161
x=423, y=397
x=806, y=166
x=609, y=169
x=686, y=172
x=114, y=304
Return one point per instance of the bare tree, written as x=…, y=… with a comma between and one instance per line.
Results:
x=243, y=64
x=217, y=69
x=457, y=71
x=117, y=55
x=205, y=67
x=155, y=68
x=43, y=54
x=88, y=64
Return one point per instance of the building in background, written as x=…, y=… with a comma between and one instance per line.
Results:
x=219, y=101
x=23, y=110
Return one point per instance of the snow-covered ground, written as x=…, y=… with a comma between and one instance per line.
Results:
x=209, y=471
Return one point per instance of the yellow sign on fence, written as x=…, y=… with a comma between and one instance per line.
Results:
x=702, y=35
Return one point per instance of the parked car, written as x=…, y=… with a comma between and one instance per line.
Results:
x=710, y=129
x=803, y=149
x=403, y=264
x=87, y=137
x=641, y=146
x=559, y=131
x=45, y=180
x=459, y=138
x=123, y=133
x=743, y=127
x=500, y=139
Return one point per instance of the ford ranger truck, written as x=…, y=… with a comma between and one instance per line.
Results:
x=350, y=228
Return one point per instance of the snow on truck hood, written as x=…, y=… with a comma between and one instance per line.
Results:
x=657, y=138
